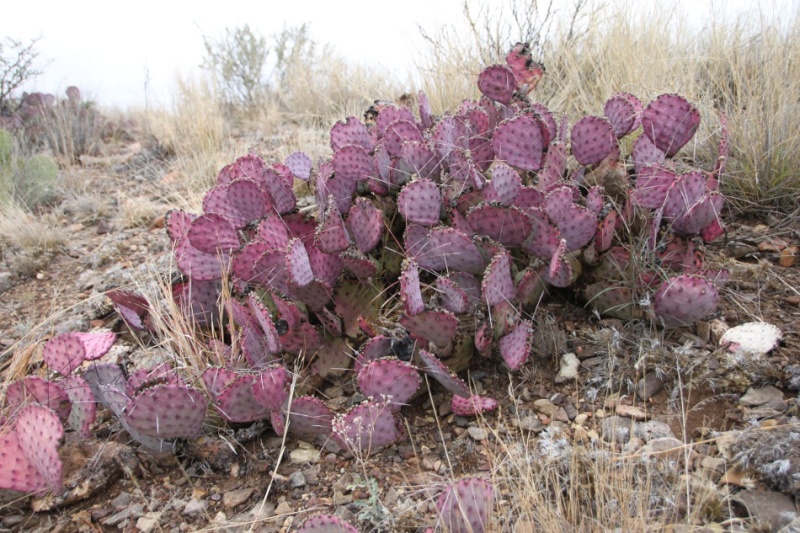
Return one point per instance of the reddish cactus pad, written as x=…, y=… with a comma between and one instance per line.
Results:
x=670, y=121
x=391, y=380
x=466, y=506
x=309, y=415
x=518, y=142
x=366, y=427
x=498, y=83
x=420, y=202
x=592, y=140
x=39, y=432
x=432, y=366
x=326, y=523
x=685, y=299
x=516, y=346
x=167, y=412
x=64, y=353
x=472, y=405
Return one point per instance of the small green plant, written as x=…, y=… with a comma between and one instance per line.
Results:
x=237, y=61
x=29, y=181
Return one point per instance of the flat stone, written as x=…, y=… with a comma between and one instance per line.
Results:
x=569, y=368
x=631, y=411
x=652, y=429
x=6, y=281
x=617, y=429
x=195, y=506
x=477, y=433
x=234, y=498
x=303, y=455
x=148, y=522
x=530, y=423
x=755, y=397
x=133, y=511
x=122, y=501
x=545, y=406
x=663, y=447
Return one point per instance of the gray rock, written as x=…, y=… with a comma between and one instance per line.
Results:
x=617, y=429
x=195, y=506
x=148, y=522
x=546, y=407
x=304, y=455
x=649, y=386
x=755, y=397
x=297, y=479
x=122, y=501
x=773, y=510
x=530, y=423
x=652, y=429
x=134, y=511
x=663, y=447
x=477, y=433
x=6, y=281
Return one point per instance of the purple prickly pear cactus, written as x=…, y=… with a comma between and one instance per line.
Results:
x=624, y=111
x=652, y=184
x=592, y=140
x=670, y=121
x=559, y=274
x=498, y=285
x=353, y=131
x=516, y=346
x=472, y=405
x=498, y=83
x=309, y=415
x=300, y=165
x=453, y=298
x=685, y=299
x=420, y=202
x=64, y=353
x=84, y=409
x=332, y=236
x=410, y=289
x=504, y=186
x=30, y=451
x=526, y=71
x=33, y=389
x=167, y=411
x=509, y=226
x=391, y=380
x=366, y=427
x=432, y=366
x=518, y=142
x=466, y=506
x=645, y=153
x=447, y=249
x=365, y=222
x=326, y=523
x=398, y=133
x=433, y=326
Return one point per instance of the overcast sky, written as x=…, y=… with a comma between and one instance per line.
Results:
x=110, y=49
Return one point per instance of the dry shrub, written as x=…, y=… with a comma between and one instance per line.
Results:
x=28, y=242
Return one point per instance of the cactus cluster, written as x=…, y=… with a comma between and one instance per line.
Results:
x=433, y=239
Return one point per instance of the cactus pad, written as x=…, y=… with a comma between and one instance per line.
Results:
x=352, y=164
x=685, y=299
x=410, y=290
x=504, y=186
x=652, y=183
x=447, y=249
x=331, y=236
x=645, y=153
x=473, y=405
x=84, y=408
x=310, y=416
x=64, y=353
x=167, y=412
x=498, y=83
x=559, y=274
x=592, y=140
x=437, y=327
x=516, y=346
x=624, y=112
x=39, y=433
x=670, y=121
x=420, y=202
x=432, y=366
x=300, y=165
x=497, y=285
x=326, y=523
x=33, y=389
x=466, y=506
x=365, y=222
x=366, y=427
x=518, y=142
x=507, y=225
x=398, y=133
x=353, y=131
x=389, y=379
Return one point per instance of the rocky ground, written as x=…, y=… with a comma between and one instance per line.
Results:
x=677, y=397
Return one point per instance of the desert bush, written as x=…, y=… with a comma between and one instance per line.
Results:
x=237, y=61
x=25, y=180
x=17, y=66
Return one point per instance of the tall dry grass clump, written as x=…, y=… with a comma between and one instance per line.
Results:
x=747, y=66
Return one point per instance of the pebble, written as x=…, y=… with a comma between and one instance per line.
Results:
x=477, y=433
x=649, y=386
x=195, y=506
x=631, y=411
x=122, y=501
x=6, y=281
x=302, y=455
x=546, y=407
x=755, y=397
x=133, y=511
x=284, y=508
x=652, y=429
x=663, y=447
x=234, y=498
x=617, y=429
x=148, y=522
x=569, y=368
x=297, y=479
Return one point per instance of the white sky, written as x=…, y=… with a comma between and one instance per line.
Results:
x=109, y=49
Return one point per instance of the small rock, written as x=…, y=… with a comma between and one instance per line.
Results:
x=284, y=508
x=234, y=498
x=14, y=520
x=663, y=447
x=195, y=506
x=617, y=429
x=303, y=455
x=122, y=501
x=297, y=479
x=631, y=411
x=312, y=474
x=530, y=423
x=148, y=522
x=546, y=407
x=772, y=510
x=477, y=433
x=652, y=429
x=718, y=329
x=717, y=464
x=569, y=368
x=561, y=416
x=134, y=511
x=755, y=397
x=649, y=386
